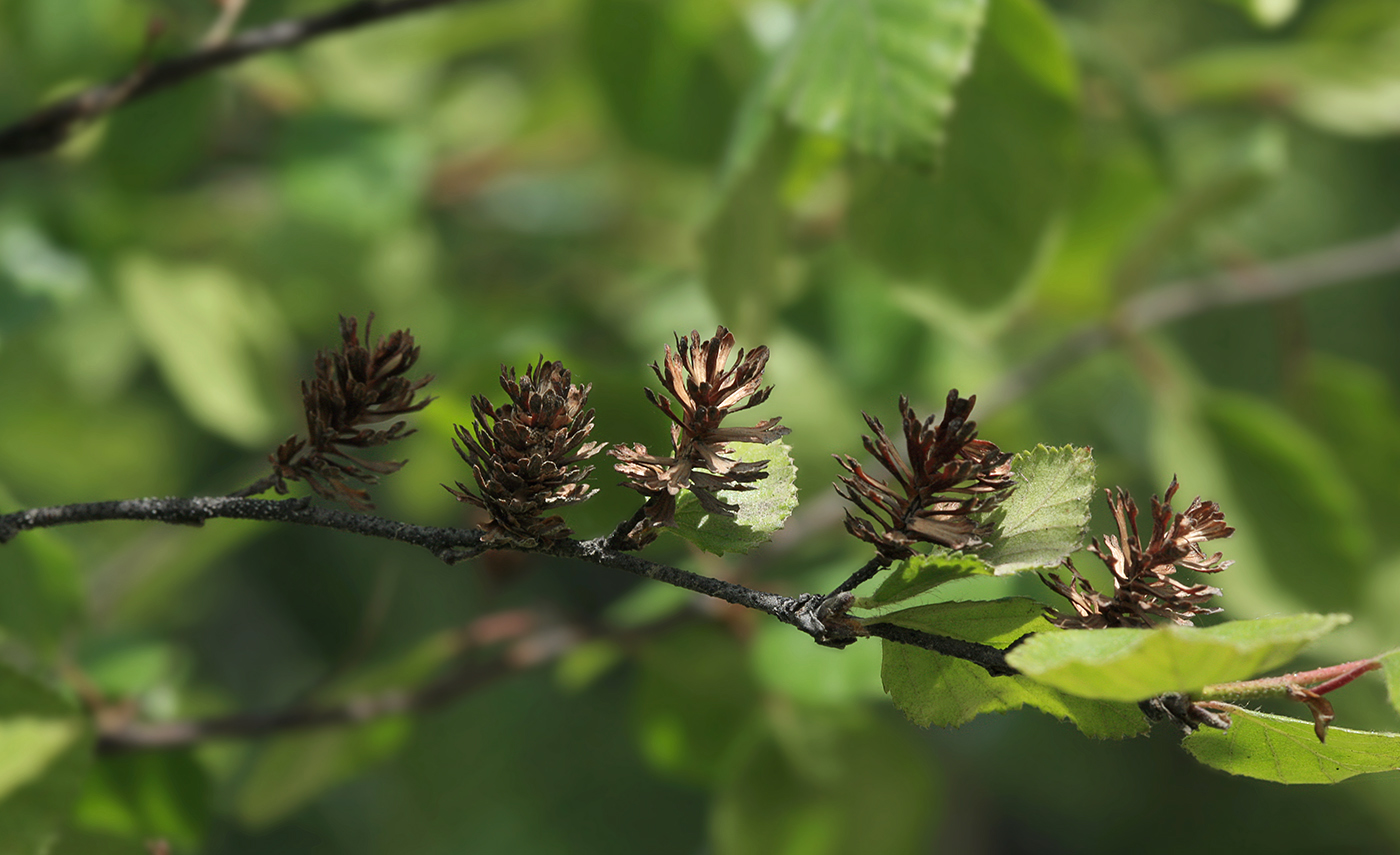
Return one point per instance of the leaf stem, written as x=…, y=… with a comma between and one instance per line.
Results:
x=1327, y=679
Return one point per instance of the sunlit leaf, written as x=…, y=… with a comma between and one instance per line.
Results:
x=879, y=74
x=762, y=510
x=29, y=745
x=45, y=752
x=1286, y=750
x=975, y=228
x=932, y=689
x=1045, y=518
x=1133, y=664
x=203, y=328
x=921, y=573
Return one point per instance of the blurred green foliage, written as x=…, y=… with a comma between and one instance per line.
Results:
x=582, y=179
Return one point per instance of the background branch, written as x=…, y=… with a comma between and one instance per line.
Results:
x=1173, y=301
x=460, y=681
x=48, y=128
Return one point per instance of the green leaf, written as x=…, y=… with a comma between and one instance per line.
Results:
x=825, y=782
x=1287, y=481
x=1286, y=750
x=921, y=573
x=762, y=510
x=203, y=328
x=1133, y=664
x=29, y=745
x=45, y=752
x=291, y=771
x=148, y=795
x=1390, y=669
x=789, y=662
x=878, y=74
x=976, y=229
x=932, y=689
x=1044, y=519
x=693, y=702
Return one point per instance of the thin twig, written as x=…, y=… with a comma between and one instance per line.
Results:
x=359, y=710
x=49, y=127
x=229, y=13
x=993, y=659
x=864, y=574
x=448, y=544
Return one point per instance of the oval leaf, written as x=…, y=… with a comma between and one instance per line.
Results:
x=932, y=689
x=1132, y=664
x=878, y=74
x=762, y=510
x=1286, y=751
x=921, y=573
x=45, y=753
x=1045, y=518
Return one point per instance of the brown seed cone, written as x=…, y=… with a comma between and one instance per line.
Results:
x=949, y=476
x=705, y=390
x=353, y=387
x=523, y=454
x=1144, y=587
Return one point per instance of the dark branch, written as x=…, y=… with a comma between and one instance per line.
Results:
x=823, y=618
x=48, y=128
x=993, y=659
x=448, y=544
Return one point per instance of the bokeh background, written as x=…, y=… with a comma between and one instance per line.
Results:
x=578, y=179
